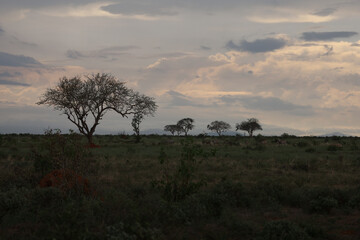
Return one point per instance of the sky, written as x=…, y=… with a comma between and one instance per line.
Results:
x=294, y=65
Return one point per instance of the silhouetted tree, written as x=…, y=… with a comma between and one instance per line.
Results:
x=174, y=128
x=186, y=124
x=219, y=127
x=249, y=126
x=85, y=102
x=135, y=123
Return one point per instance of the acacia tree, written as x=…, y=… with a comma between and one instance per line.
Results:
x=85, y=101
x=173, y=128
x=249, y=126
x=135, y=123
x=186, y=124
x=219, y=127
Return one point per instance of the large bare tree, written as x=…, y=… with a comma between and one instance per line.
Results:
x=86, y=100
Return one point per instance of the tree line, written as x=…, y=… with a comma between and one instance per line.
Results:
x=86, y=99
x=220, y=127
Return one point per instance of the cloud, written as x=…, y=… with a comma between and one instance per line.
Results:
x=178, y=99
x=257, y=46
x=8, y=74
x=285, y=13
x=140, y=8
x=102, y=53
x=1, y=31
x=205, y=48
x=13, y=83
x=269, y=104
x=74, y=54
x=323, y=36
x=325, y=12
x=11, y=60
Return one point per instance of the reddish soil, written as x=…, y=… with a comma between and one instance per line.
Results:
x=66, y=180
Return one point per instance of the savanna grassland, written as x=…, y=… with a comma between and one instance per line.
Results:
x=166, y=187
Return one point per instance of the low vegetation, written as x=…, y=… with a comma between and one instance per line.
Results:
x=55, y=186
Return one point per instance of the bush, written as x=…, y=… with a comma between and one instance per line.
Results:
x=135, y=231
x=310, y=150
x=283, y=230
x=322, y=205
x=334, y=147
x=176, y=185
x=302, y=144
x=321, y=200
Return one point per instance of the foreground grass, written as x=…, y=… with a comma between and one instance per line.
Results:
x=251, y=188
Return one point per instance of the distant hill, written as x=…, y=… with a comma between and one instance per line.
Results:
x=334, y=134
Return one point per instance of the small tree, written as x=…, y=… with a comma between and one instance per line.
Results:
x=174, y=128
x=219, y=127
x=186, y=124
x=85, y=102
x=135, y=123
x=249, y=126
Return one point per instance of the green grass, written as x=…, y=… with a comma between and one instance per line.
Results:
x=254, y=188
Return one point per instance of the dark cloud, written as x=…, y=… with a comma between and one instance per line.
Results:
x=257, y=46
x=74, y=54
x=12, y=83
x=178, y=99
x=321, y=36
x=102, y=53
x=1, y=31
x=140, y=8
x=11, y=60
x=355, y=45
x=269, y=104
x=329, y=50
x=8, y=75
x=325, y=12
x=205, y=48
x=351, y=79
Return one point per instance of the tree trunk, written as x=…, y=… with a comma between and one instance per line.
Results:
x=89, y=138
x=137, y=140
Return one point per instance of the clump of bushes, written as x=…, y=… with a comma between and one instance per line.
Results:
x=176, y=184
x=283, y=230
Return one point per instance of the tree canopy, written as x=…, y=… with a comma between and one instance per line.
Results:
x=249, y=126
x=85, y=100
x=186, y=124
x=219, y=127
x=173, y=128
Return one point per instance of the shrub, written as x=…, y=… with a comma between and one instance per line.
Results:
x=310, y=150
x=322, y=205
x=302, y=144
x=321, y=200
x=135, y=231
x=334, y=147
x=300, y=164
x=176, y=185
x=67, y=181
x=283, y=230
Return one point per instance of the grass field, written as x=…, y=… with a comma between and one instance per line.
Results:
x=168, y=187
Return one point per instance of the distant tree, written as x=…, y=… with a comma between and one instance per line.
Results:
x=85, y=101
x=249, y=126
x=186, y=124
x=174, y=128
x=135, y=123
x=219, y=127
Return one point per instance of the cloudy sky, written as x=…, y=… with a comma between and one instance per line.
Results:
x=294, y=65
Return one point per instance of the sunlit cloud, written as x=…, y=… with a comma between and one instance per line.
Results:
x=287, y=15
x=91, y=10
